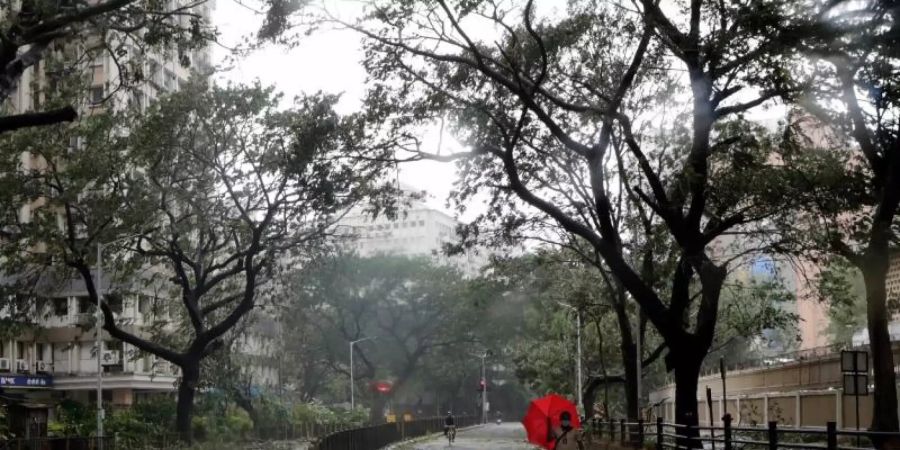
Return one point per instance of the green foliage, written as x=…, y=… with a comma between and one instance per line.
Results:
x=841, y=287
x=73, y=419
x=417, y=310
x=134, y=425
x=231, y=425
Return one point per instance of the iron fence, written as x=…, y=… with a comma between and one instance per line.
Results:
x=59, y=443
x=379, y=436
x=664, y=436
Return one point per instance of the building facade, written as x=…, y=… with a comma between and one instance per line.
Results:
x=57, y=357
x=418, y=231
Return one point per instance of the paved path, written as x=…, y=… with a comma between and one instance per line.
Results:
x=508, y=436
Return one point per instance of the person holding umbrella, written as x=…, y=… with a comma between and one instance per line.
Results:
x=552, y=422
x=566, y=437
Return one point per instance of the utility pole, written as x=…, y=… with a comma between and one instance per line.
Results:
x=484, y=384
x=639, y=363
x=98, y=334
x=578, y=388
x=352, y=380
x=98, y=340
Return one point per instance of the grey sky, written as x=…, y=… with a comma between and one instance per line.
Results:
x=330, y=60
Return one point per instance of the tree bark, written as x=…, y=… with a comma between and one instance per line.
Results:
x=687, y=372
x=874, y=269
x=629, y=360
x=190, y=374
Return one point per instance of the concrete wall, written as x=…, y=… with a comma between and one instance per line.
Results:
x=805, y=409
x=805, y=392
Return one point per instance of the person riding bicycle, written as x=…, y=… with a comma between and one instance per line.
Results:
x=449, y=422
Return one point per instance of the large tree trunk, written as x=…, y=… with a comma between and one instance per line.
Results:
x=190, y=374
x=687, y=372
x=874, y=269
x=629, y=360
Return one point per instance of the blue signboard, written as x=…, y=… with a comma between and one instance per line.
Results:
x=26, y=381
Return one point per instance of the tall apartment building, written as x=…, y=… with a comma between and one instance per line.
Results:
x=57, y=358
x=418, y=231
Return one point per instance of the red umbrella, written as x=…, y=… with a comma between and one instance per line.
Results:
x=543, y=416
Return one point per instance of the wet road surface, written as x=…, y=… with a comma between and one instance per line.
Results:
x=508, y=436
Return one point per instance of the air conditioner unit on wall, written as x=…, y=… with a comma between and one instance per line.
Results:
x=5, y=364
x=21, y=365
x=43, y=367
x=110, y=358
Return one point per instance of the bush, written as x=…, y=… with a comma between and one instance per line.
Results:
x=73, y=419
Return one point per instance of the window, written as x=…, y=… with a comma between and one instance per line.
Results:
x=61, y=306
x=39, y=349
x=97, y=95
x=170, y=82
x=115, y=303
x=155, y=73
x=396, y=225
x=763, y=268
x=20, y=350
x=421, y=223
x=136, y=100
x=97, y=72
x=85, y=305
x=143, y=305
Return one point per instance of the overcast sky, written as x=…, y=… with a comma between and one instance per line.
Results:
x=329, y=60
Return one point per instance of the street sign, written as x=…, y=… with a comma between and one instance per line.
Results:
x=856, y=384
x=854, y=361
x=855, y=366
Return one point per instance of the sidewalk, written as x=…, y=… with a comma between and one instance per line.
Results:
x=607, y=445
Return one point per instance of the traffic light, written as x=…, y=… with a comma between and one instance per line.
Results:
x=481, y=385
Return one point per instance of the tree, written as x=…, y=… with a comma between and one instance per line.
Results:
x=555, y=109
x=842, y=287
x=417, y=310
x=544, y=353
x=211, y=192
x=849, y=85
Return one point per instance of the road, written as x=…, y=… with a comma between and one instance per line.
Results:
x=508, y=436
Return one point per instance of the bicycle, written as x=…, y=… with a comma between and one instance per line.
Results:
x=451, y=434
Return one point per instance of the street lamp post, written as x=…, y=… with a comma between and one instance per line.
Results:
x=578, y=394
x=352, y=381
x=484, y=385
x=98, y=334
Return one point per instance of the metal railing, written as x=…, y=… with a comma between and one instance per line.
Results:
x=674, y=436
x=59, y=443
x=378, y=436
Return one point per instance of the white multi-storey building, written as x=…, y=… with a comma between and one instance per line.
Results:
x=417, y=231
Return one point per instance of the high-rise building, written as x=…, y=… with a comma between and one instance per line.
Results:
x=57, y=357
x=417, y=231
